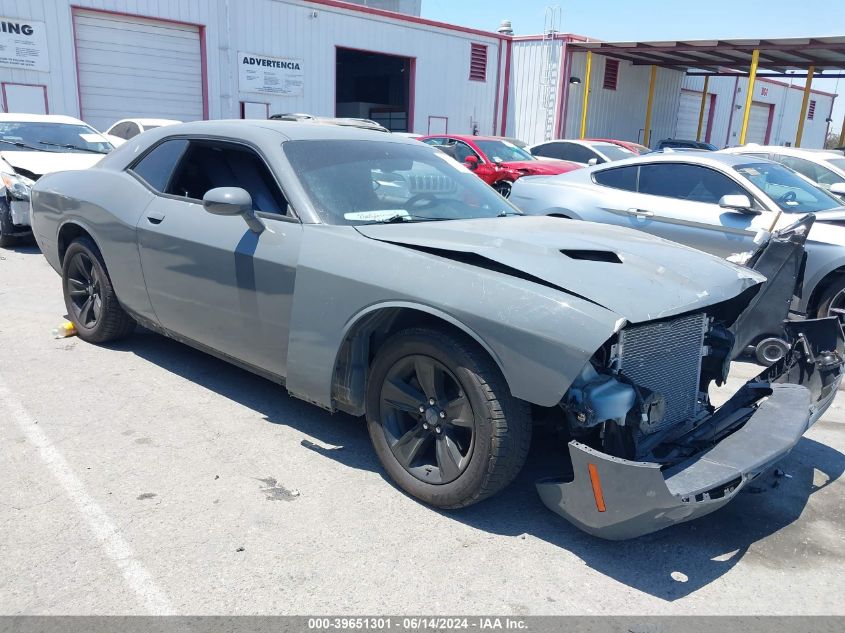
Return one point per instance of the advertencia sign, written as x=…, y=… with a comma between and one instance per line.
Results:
x=270, y=75
x=23, y=44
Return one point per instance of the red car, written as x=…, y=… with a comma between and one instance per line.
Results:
x=496, y=161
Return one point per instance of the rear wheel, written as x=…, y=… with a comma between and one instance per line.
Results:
x=90, y=299
x=442, y=420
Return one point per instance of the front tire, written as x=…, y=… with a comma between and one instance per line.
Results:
x=833, y=298
x=90, y=299
x=6, y=227
x=442, y=420
x=504, y=188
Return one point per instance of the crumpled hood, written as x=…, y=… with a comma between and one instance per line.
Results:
x=653, y=278
x=542, y=167
x=40, y=163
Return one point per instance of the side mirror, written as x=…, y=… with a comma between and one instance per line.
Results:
x=838, y=188
x=232, y=201
x=592, y=162
x=471, y=162
x=738, y=202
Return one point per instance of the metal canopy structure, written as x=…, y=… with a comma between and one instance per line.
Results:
x=742, y=57
x=778, y=55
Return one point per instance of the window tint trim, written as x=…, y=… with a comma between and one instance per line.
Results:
x=217, y=139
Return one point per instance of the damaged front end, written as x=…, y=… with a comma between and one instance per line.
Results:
x=647, y=447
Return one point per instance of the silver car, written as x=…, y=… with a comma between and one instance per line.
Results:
x=374, y=275
x=712, y=201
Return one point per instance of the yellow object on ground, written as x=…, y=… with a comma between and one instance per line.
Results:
x=64, y=330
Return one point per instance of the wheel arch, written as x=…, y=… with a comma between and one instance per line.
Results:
x=823, y=284
x=68, y=232
x=368, y=330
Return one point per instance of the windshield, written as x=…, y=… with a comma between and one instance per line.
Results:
x=503, y=151
x=52, y=137
x=837, y=162
x=372, y=182
x=791, y=192
x=615, y=152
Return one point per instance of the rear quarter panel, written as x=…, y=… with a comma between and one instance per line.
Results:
x=107, y=204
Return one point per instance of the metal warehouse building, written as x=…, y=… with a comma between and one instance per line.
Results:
x=104, y=60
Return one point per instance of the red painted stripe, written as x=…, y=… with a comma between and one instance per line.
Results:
x=506, y=97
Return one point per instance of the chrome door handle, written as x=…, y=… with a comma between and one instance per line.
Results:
x=640, y=213
x=154, y=217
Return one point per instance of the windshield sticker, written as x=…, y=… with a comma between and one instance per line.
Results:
x=792, y=203
x=749, y=171
x=379, y=215
x=508, y=144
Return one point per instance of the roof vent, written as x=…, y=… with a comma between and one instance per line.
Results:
x=506, y=27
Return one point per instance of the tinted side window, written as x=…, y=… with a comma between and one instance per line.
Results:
x=578, y=153
x=435, y=141
x=156, y=166
x=207, y=165
x=132, y=129
x=549, y=150
x=119, y=130
x=618, y=178
x=811, y=170
x=687, y=182
x=462, y=150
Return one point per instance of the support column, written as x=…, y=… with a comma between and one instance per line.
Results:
x=701, y=110
x=586, y=98
x=752, y=75
x=646, y=132
x=804, y=103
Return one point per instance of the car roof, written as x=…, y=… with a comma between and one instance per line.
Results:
x=148, y=121
x=712, y=159
x=808, y=153
x=39, y=118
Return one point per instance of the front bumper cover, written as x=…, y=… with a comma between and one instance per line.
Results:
x=617, y=499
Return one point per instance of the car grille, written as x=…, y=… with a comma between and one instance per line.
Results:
x=666, y=358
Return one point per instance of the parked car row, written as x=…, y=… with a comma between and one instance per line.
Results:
x=371, y=274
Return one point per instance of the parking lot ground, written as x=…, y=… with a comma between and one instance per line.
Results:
x=146, y=477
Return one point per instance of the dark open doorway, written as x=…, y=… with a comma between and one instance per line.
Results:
x=375, y=86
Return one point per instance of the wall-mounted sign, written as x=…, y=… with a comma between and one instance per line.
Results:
x=270, y=75
x=23, y=44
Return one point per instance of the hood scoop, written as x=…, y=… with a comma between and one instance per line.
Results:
x=479, y=261
x=592, y=256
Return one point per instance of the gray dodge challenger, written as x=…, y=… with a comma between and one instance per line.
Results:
x=371, y=274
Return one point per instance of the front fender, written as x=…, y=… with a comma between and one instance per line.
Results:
x=539, y=337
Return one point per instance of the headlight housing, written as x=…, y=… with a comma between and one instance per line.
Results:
x=18, y=186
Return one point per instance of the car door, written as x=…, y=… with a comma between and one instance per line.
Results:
x=210, y=278
x=680, y=202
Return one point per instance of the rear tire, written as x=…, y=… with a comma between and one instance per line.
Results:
x=466, y=446
x=90, y=299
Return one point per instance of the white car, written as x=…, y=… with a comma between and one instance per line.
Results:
x=32, y=145
x=824, y=167
x=123, y=130
x=583, y=152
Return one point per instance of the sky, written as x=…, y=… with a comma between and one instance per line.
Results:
x=626, y=20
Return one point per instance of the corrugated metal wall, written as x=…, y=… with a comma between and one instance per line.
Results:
x=730, y=97
x=527, y=64
x=620, y=113
x=290, y=29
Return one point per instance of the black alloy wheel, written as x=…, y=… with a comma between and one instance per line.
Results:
x=427, y=419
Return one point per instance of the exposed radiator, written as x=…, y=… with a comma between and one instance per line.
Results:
x=666, y=358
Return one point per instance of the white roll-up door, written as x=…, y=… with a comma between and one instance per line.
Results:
x=133, y=67
x=758, y=123
x=688, y=111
